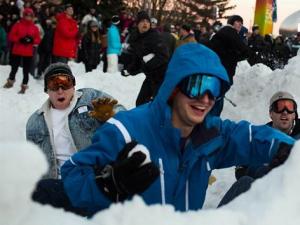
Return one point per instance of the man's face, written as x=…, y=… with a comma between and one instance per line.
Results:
x=143, y=26
x=188, y=112
x=61, y=90
x=237, y=25
x=61, y=99
x=283, y=121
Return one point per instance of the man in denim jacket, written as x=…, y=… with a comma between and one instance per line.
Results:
x=63, y=125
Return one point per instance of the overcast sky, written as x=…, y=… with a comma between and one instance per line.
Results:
x=246, y=9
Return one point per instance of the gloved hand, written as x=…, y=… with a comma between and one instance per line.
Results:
x=103, y=108
x=125, y=73
x=132, y=173
x=26, y=40
x=282, y=154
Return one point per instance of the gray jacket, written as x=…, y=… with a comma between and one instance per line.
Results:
x=80, y=125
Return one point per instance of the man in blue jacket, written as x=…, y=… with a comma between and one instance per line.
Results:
x=165, y=150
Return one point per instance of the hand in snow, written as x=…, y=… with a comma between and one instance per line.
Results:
x=103, y=108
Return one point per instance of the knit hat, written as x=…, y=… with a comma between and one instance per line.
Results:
x=28, y=11
x=55, y=69
x=93, y=23
x=234, y=18
x=115, y=20
x=142, y=15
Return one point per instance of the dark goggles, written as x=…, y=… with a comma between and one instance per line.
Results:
x=59, y=81
x=197, y=85
x=284, y=105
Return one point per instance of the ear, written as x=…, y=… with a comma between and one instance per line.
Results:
x=271, y=115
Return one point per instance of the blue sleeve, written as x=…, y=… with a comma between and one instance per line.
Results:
x=78, y=174
x=246, y=144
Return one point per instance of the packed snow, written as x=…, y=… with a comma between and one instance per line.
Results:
x=272, y=200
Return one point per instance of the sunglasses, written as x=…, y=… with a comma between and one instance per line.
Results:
x=59, y=81
x=284, y=105
x=197, y=85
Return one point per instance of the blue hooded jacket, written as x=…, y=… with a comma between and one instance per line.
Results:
x=183, y=176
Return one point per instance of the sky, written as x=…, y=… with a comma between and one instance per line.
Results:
x=246, y=9
x=272, y=200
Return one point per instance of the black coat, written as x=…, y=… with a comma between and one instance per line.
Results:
x=230, y=48
x=144, y=44
x=90, y=50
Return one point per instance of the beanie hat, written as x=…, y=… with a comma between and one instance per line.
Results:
x=142, y=15
x=28, y=11
x=93, y=23
x=55, y=69
x=234, y=18
x=281, y=95
x=115, y=20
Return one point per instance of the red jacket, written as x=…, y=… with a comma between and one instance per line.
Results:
x=20, y=30
x=65, y=37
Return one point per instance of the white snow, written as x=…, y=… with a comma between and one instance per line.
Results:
x=272, y=200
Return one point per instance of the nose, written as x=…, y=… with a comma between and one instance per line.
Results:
x=204, y=98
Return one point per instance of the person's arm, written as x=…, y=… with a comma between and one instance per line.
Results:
x=159, y=54
x=78, y=173
x=246, y=144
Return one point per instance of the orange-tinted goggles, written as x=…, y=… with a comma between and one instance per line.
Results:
x=284, y=105
x=59, y=81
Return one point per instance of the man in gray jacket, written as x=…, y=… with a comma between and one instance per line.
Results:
x=68, y=119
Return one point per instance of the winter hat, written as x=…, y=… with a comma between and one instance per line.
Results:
x=28, y=11
x=55, y=69
x=142, y=15
x=281, y=95
x=93, y=23
x=234, y=18
x=115, y=20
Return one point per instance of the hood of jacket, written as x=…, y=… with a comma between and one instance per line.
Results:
x=189, y=59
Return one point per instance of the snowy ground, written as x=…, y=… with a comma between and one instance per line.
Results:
x=271, y=200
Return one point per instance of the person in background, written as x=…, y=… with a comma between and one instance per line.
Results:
x=113, y=45
x=62, y=126
x=65, y=36
x=168, y=38
x=284, y=116
x=45, y=47
x=24, y=35
x=91, y=46
x=231, y=49
x=185, y=35
x=146, y=53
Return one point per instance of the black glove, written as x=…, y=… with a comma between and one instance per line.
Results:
x=282, y=154
x=125, y=73
x=130, y=174
x=26, y=40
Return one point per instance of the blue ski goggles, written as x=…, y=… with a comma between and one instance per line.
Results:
x=197, y=85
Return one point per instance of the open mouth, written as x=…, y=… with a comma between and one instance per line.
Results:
x=199, y=110
x=61, y=99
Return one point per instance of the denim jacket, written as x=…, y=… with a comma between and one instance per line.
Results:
x=81, y=126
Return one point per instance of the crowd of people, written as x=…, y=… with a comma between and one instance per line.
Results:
x=59, y=34
x=98, y=153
